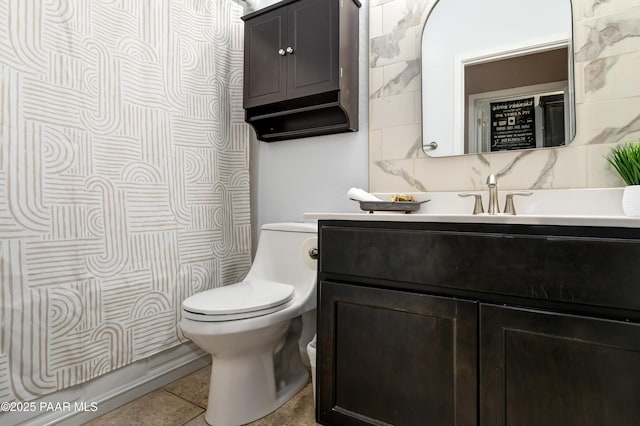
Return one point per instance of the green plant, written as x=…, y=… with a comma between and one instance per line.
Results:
x=625, y=159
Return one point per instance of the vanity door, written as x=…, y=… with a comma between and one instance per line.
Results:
x=265, y=61
x=543, y=368
x=394, y=357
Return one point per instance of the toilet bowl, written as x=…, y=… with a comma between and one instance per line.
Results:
x=257, y=330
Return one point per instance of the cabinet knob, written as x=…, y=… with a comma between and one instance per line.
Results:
x=281, y=52
x=289, y=50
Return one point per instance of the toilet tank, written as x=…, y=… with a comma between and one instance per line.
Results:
x=283, y=255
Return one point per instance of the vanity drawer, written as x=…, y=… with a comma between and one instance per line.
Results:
x=559, y=264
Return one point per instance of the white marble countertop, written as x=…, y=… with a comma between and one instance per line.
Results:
x=568, y=207
x=564, y=220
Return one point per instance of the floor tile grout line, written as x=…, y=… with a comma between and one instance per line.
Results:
x=184, y=399
x=193, y=418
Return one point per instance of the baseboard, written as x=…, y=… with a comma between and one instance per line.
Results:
x=82, y=403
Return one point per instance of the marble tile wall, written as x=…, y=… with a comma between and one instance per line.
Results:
x=607, y=83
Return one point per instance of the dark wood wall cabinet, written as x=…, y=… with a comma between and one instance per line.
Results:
x=477, y=324
x=301, y=68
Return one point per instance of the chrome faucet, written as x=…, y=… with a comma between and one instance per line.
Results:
x=492, y=183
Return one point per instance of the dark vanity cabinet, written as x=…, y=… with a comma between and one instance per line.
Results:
x=477, y=324
x=301, y=68
x=384, y=346
x=546, y=368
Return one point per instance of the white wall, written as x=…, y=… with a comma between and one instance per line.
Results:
x=314, y=174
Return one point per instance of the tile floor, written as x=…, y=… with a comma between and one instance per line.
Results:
x=184, y=401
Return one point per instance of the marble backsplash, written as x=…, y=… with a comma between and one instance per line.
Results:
x=607, y=83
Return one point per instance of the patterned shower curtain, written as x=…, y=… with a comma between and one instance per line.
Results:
x=124, y=180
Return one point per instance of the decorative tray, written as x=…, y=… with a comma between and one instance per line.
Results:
x=391, y=206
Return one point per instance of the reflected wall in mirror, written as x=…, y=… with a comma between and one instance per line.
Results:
x=499, y=79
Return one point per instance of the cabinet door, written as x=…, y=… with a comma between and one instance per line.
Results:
x=265, y=75
x=313, y=67
x=540, y=368
x=391, y=357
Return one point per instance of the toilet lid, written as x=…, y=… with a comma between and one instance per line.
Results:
x=242, y=300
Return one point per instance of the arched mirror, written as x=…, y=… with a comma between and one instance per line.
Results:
x=497, y=75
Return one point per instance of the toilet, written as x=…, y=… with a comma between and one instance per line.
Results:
x=257, y=330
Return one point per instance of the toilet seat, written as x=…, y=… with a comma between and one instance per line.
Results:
x=246, y=299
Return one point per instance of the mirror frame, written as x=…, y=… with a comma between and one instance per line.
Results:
x=459, y=122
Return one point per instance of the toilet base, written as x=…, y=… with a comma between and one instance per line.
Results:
x=246, y=402
x=249, y=386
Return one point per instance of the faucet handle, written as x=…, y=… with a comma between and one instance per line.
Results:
x=509, y=207
x=477, y=207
